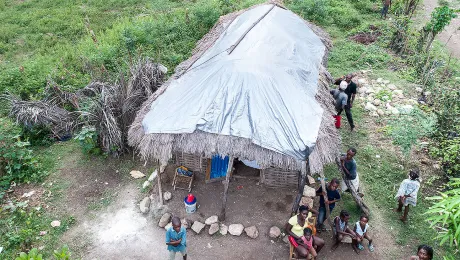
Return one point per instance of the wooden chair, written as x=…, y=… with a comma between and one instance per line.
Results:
x=179, y=178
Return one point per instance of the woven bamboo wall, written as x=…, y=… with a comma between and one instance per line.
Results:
x=278, y=178
x=193, y=162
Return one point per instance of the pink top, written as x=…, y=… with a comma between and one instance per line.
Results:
x=308, y=243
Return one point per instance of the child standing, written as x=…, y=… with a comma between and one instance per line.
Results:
x=360, y=229
x=176, y=239
x=341, y=228
x=407, y=193
x=307, y=242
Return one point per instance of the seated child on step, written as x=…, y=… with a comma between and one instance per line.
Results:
x=341, y=228
x=307, y=242
x=361, y=228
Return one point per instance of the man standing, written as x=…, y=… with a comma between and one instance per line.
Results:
x=351, y=91
x=349, y=168
x=386, y=6
x=340, y=97
x=332, y=197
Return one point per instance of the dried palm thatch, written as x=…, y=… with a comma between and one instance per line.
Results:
x=160, y=147
x=41, y=113
x=55, y=95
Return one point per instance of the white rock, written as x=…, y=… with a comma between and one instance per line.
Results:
x=436, y=166
x=144, y=205
x=386, y=82
x=28, y=194
x=380, y=112
x=370, y=90
x=374, y=114
x=55, y=223
x=385, y=98
x=392, y=86
x=427, y=93
x=362, y=90
x=213, y=228
x=377, y=89
x=370, y=99
x=412, y=101
x=164, y=220
x=419, y=89
x=235, y=229
x=197, y=227
x=362, y=81
x=211, y=220
x=395, y=111
x=145, y=185
x=370, y=107
x=376, y=102
x=187, y=223
x=136, y=174
x=252, y=232
x=398, y=91
x=274, y=232
x=153, y=175
x=286, y=239
x=309, y=191
x=407, y=108
x=223, y=230
x=167, y=195
x=379, y=80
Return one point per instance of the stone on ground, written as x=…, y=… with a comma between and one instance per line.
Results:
x=307, y=201
x=311, y=180
x=379, y=80
x=153, y=175
x=187, y=223
x=385, y=81
x=347, y=239
x=252, y=232
x=55, y=223
x=369, y=90
x=145, y=205
x=213, y=228
x=309, y=191
x=362, y=81
x=286, y=239
x=370, y=107
x=223, y=229
x=164, y=220
x=146, y=184
x=380, y=112
x=197, y=227
x=419, y=89
x=392, y=86
x=274, y=232
x=362, y=90
x=427, y=93
x=377, y=102
x=167, y=195
x=374, y=114
x=136, y=174
x=235, y=229
x=211, y=220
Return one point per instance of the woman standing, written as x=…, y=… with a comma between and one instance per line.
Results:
x=407, y=193
x=295, y=229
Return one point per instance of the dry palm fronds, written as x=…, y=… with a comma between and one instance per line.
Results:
x=55, y=95
x=42, y=113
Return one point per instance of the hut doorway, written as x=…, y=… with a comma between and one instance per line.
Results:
x=245, y=170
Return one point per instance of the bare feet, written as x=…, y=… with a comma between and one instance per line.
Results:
x=334, y=246
x=403, y=219
x=397, y=210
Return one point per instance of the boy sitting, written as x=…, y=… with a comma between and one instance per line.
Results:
x=341, y=228
x=360, y=229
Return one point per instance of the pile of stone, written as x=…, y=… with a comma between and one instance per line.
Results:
x=214, y=226
x=381, y=98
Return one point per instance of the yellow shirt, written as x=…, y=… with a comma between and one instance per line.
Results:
x=296, y=228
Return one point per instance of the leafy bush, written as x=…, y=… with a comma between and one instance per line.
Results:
x=32, y=255
x=17, y=162
x=445, y=214
x=449, y=152
x=37, y=136
x=87, y=138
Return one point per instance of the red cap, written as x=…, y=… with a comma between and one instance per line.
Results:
x=190, y=198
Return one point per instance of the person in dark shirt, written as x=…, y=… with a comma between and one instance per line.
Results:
x=332, y=197
x=351, y=91
x=349, y=168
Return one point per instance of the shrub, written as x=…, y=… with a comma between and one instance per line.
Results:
x=87, y=138
x=445, y=214
x=449, y=153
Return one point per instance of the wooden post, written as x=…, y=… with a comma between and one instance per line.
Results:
x=354, y=193
x=226, y=182
x=303, y=179
x=160, y=192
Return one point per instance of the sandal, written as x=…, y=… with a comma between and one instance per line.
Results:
x=360, y=247
x=371, y=248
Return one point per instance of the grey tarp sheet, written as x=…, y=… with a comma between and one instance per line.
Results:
x=264, y=90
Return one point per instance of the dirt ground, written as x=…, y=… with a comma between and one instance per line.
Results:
x=121, y=231
x=451, y=35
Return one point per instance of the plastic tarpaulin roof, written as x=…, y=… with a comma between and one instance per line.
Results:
x=264, y=90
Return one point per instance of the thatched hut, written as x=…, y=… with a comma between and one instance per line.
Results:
x=256, y=89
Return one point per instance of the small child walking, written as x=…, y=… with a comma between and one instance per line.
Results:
x=307, y=242
x=407, y=193
x=176, y=239
x=360, y=230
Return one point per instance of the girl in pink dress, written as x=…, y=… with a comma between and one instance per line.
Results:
x=307, y=242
